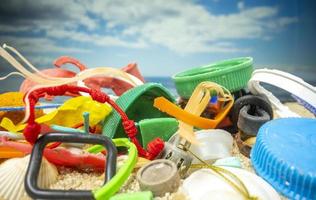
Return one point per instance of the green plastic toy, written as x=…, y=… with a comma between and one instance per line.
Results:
x=121, y=176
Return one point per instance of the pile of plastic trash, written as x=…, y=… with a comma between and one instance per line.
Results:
x=168, y=143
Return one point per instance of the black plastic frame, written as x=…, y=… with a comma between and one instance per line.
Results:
x=32, y=173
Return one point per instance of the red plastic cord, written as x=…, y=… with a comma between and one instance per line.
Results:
x=61, y=156
x=33, y=129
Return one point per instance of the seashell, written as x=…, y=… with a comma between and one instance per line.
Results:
x=12, y=174
x=219, y=189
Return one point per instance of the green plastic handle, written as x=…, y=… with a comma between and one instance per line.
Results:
x=111, y=187
x=146, y=195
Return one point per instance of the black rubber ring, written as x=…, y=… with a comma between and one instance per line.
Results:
x=249, y=121
x=32, y=172
x=251, y=100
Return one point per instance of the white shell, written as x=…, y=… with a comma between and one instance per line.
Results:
x=12, y=174
x=205, y=184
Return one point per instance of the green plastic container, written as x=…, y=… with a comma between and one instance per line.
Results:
x=164, y=127
x=138, y=105
x=233, y=74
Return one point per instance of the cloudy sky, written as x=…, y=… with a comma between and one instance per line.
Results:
x=163, y=37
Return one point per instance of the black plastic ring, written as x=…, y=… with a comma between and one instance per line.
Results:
x=32, y=173
x=253, y=101
x=250, y=120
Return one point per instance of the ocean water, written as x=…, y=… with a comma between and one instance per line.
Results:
x=13, y=83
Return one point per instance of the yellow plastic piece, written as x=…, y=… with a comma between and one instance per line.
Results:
x=197, y=103
x=68, y=115
x=7, y=124
x=13, y=99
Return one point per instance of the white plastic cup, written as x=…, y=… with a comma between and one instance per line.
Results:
x=213, y=144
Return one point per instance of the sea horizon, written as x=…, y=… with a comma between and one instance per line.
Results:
x=13, y=83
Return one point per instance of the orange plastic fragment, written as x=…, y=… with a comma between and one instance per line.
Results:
x=190, y=116
x=9, y=152
x=165, y=105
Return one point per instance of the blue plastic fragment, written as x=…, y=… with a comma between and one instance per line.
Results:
x=308, y=106
x=20, y=108
x=65, y=129
x=86, y=122
x=213, y=99
x=284, y=155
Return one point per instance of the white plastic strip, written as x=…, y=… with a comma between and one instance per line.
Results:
x=285, y=81
x=11, y=74
x=12, y=136
x=49, y=81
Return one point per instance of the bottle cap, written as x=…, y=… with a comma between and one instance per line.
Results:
x=159, y=176
x=233, y=74
x=284, y=155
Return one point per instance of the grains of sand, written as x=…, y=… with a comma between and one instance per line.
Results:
x=72, y=179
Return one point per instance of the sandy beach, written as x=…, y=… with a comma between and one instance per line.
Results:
x=70, y=179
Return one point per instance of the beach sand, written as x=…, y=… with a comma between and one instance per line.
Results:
x=71, y=179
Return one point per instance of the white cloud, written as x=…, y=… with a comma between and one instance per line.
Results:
x=187, y=27
x=182, y=26
x=284, y=21
x=13, y=29
x=41, y=61
x=95, y=39
x=39, y=45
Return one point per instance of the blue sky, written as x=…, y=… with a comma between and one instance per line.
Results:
x=163, y=37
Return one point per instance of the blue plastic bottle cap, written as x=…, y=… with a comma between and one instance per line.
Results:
x=285, y=156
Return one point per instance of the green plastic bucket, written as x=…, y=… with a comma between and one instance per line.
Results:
x=232, y=74
x=138, y=105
